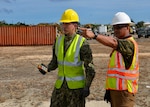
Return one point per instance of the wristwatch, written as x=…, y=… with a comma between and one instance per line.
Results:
x=95, y=37
x=96, y=34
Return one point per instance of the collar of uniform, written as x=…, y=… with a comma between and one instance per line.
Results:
x=67, y=38
x=127, y=37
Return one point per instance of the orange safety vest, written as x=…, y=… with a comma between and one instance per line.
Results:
x=120, y=78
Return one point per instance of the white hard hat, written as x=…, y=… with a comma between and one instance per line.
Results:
x=121, y=18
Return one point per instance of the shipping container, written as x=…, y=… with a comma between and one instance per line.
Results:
x=27, y=35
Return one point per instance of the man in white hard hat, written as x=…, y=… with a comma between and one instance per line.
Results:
x=123, y=67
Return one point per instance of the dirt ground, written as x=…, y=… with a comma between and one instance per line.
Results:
x=21, y=85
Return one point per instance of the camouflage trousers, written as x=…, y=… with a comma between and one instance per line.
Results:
x=65, y=97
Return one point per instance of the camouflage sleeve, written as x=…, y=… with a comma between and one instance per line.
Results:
x=53, y=63
x=87, y=58
x=126, y=48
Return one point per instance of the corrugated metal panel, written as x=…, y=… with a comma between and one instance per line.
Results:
x=27, y=35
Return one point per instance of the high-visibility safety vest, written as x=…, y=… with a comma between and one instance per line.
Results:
x=70, y=67
x=120, y=78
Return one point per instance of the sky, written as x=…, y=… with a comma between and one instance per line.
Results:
x=89, y=11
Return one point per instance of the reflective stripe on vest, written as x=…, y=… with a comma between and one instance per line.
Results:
x=70, y=66
x=119, y=78
x=78, y=78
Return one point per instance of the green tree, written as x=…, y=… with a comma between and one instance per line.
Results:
x=140, y=24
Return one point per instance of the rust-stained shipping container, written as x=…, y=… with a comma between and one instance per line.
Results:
x=27, y=35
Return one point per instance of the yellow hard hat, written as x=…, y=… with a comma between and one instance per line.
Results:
x=69, y=15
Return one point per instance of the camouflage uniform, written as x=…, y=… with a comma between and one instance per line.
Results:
x=126, y=48
x=65, y=97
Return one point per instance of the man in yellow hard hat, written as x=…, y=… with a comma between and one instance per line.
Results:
x=73, y=58
x=123, y=68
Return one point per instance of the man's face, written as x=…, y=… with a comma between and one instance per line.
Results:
x=68, y=28
x=121, y=30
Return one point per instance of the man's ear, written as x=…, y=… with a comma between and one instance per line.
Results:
x=76, y=25
x=128, y=27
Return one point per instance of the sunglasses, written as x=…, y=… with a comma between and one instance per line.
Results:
x=119, y=26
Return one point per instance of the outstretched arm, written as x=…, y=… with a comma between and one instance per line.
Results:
x=105, y=40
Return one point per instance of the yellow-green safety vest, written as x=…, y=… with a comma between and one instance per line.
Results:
x=70, y=67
